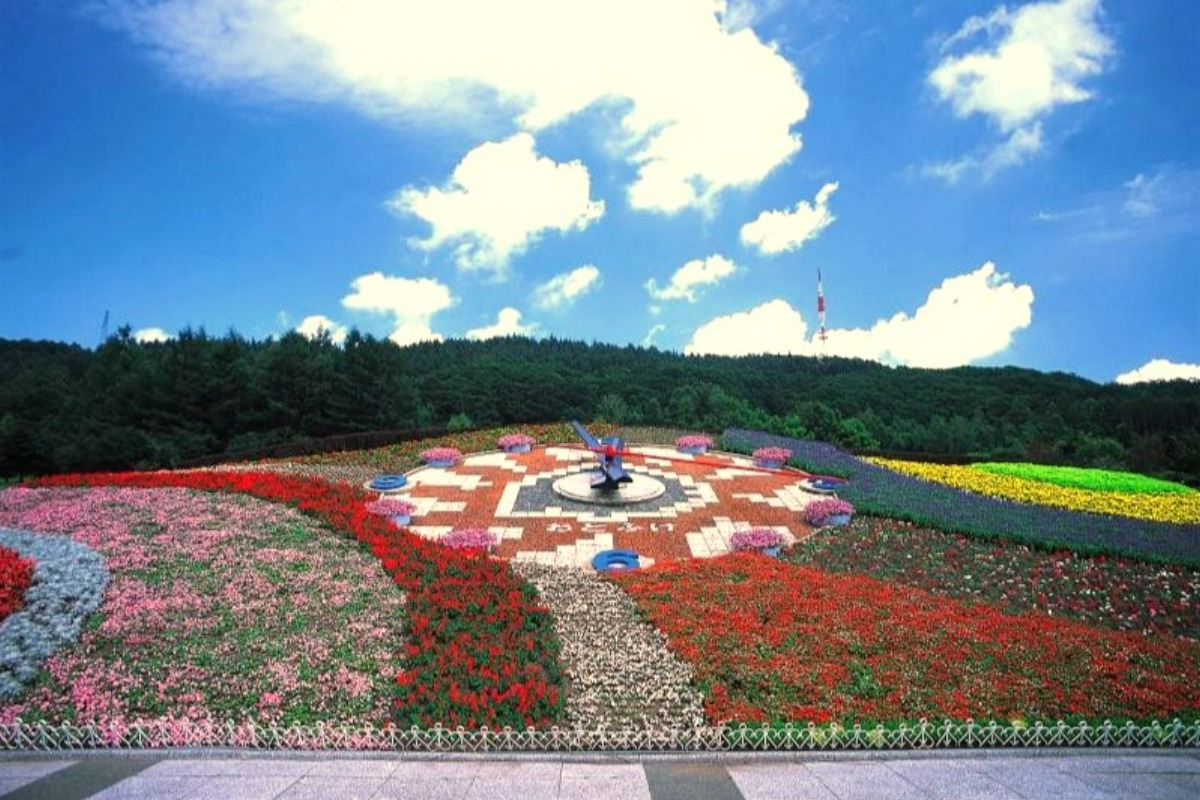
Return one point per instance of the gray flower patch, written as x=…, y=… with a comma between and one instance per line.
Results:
x=68, y=585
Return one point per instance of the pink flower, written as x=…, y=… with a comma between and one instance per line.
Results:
x=470, y=539
x=780, y=454
x=755, y=539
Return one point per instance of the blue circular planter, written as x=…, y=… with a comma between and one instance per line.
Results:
x=438, y=462
x=614, y=560
x=401, y=519
x=519, y=448
x=824, y=485
x=387, y=483
x=763, y=463
x=773, y=552
x=698, y=450
x=838, y=519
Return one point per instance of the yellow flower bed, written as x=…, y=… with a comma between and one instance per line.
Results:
x=1179, y=508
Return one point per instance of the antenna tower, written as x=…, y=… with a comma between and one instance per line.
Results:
x=104, y=328
x=821, y=310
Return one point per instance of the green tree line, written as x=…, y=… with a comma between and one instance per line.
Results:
x=129, y=404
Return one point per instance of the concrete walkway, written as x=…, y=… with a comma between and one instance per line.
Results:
x=917, y=775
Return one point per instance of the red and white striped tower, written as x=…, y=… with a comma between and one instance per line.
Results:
x=820, y=309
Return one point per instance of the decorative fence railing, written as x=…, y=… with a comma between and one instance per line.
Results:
x=922, y=735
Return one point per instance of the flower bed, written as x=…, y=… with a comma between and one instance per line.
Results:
x=755, y=539
x=1096, y=480
x=68, y=583
x=395, y=508
x=1110, y=592
x=516, y=442
x=16, y=573
x=774, y=642
x=441, y=456
x=878, y=491
x=469, y=539
x=1177, y=507
x=828, y=511
x=694, y=443
x=481, y=650
x=772, y=456
x=219, y=608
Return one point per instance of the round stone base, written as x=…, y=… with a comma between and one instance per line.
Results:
x=578, y=486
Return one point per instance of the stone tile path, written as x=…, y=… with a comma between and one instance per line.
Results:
x=944, y=775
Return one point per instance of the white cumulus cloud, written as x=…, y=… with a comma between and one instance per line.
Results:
x=411, y=332
x=773, y=327
x=411, y=302
x=145, y=335
x=702, y=104
x=1032, y=60
x=312, y=327
x=780, y=231
x=508, y=323
x=691, y=278
x=967, y=318
x=1160, y=369
x=565, y=288
x=500, y=199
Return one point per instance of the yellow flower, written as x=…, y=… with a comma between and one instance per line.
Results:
x=1177, y=507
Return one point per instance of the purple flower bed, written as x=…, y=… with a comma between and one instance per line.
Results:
x=875, y=490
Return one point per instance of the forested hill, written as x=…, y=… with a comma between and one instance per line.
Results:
x=128, y=404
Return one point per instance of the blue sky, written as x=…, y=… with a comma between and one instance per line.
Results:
x=977, y=183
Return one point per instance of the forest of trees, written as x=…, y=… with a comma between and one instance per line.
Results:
x=127, y=404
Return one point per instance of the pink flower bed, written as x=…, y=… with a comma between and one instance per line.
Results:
x=221, y=609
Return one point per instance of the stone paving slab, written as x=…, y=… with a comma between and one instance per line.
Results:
x=924, y=775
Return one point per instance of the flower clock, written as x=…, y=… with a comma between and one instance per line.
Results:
x=706, y=499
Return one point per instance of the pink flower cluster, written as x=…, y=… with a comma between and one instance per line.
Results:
x=391, y=507
x=781, y=454
x=755, y=539
x=509, y=440
x=442, y=454
x=819, y=512
x=694, y=440
x=470, y=539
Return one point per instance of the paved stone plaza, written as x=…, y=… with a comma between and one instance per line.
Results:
x=945, y=775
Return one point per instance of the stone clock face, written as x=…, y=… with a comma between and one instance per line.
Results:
x=703, y=500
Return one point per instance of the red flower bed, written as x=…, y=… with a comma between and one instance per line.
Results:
x=16, y=573
x=482, y=652
x=775, y=642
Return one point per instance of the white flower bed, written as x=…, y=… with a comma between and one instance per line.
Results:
x=68, y=585
x=621, y=674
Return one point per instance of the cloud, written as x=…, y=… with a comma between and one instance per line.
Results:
x=648, y=340
x=1160, y=369
x=967, y=318
x=701, y=103
x=1013, y=151
x=499, y=200
x=691, y=277
x=1033, y=60
x=773, y=327
x=147, y=335
x=564, y=289
x=780, y=231
x=508, y=323
x=1156, y=204
x=312, y=327
x=411, y=302
x=413, y=332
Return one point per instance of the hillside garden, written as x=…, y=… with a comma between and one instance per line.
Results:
x=264, y=604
